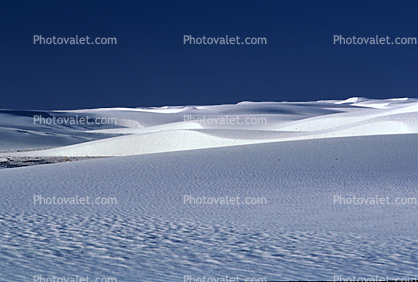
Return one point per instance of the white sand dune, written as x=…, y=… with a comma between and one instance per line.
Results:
x=297, y=162
x=152, y=235
x=168, y=129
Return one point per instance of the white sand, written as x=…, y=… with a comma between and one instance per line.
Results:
x=305, y=155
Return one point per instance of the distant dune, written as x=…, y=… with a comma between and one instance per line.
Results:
x=135, y=131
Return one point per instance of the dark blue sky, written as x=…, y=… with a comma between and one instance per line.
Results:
x=150, y=66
